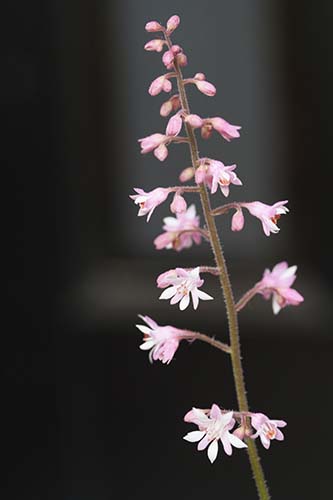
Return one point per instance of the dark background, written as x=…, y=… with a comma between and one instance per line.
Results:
x=85, y=415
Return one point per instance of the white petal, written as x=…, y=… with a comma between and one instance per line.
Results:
x=194, y=436
x=184, y=302
x=236, y=442
x=289, y=272
x=144, y=329
x=195, y=298
x=212, y=451
x=168, y=293
x=275, y=304
x=147, y=345
x=204, y=296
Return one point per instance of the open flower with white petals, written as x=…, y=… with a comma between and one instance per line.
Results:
x=268, y=214
x=213, y=428
x=149, y=201
x=223, y=176
x=277, y=283
x=267, y=429
x=161, y=341
x=182, y=285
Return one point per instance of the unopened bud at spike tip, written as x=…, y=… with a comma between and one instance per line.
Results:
x=172, y=24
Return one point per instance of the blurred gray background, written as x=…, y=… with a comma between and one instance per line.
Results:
x=87, y=416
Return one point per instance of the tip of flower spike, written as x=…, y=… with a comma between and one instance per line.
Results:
x=172, y=24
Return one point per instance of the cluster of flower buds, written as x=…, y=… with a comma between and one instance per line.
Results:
x=183, y=286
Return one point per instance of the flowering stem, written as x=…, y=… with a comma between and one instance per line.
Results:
x=246, y=298
x=237, y=368
x=209, y=340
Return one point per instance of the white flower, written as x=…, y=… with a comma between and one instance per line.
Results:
x=213, y=428
x=183, y=284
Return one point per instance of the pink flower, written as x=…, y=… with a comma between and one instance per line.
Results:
x=170, y=105
x=277, y=283
x=172, y=24
x=182, y=286
x=178, y=205
x=174, y=125
x=175, y=52
x=153, y=27
x=268, y=214
x=173, y=227
x=267, y=429
x=237, y=221
x=213, y=428
x=221, y=126
x=162, y=341
x=157, y=143
x=205, y=87
x=168, y=58
x=160, y=83
x=223, y=176
x=155, y=45
x=149, y=201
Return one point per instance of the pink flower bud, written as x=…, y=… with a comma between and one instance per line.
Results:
x=240, y=432
x=153, y=26
x=168, y=58
x=154, y=45
x=172, y=24
x=200, y=174
x=205, y=87
x=237, y=221
x=194, y=120
x=166, y=108
x=206, y=130
x=178, y=205
x=186, y=175
x=156, y=86
x=199, y=76
x=161, y=152
x=182, y=59
x=176, y=49
x=167, y=85
x=174, y=125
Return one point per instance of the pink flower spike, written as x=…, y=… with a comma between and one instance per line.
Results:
x=267, y=429
x=173, y=227
x=212, y=429
x=277, y=283
x=224, y=128
x=172, y=24
x=154, y=45
x=174, y=125
x=267, y=214
x=178, y=205
x=205, y=87
x=149, y=201
x=186, y=175
x=153, y=27
x=161, y=341
x=222, y=176
x=172, y=104
x=194, y=120
x=184, y=284
x=237, y=221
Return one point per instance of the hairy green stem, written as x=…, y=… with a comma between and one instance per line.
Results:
x=236, y=360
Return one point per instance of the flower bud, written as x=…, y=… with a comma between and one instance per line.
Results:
x=168, y=58
x=206, y=130
x=182, y=59
x=166, y=108
x=200, y=174
x=187, y=174
x=153, y=26
x=174, y=125
x=172, y=24
x=200, y=76
x=206, y=87
x=154, y=45
x=237, y=221
x=194, y=120
x=178, y=205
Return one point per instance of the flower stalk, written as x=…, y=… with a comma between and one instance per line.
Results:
x=216, y=246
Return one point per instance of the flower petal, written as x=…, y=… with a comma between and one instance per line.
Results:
x=194, y=436
x=213, y=451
